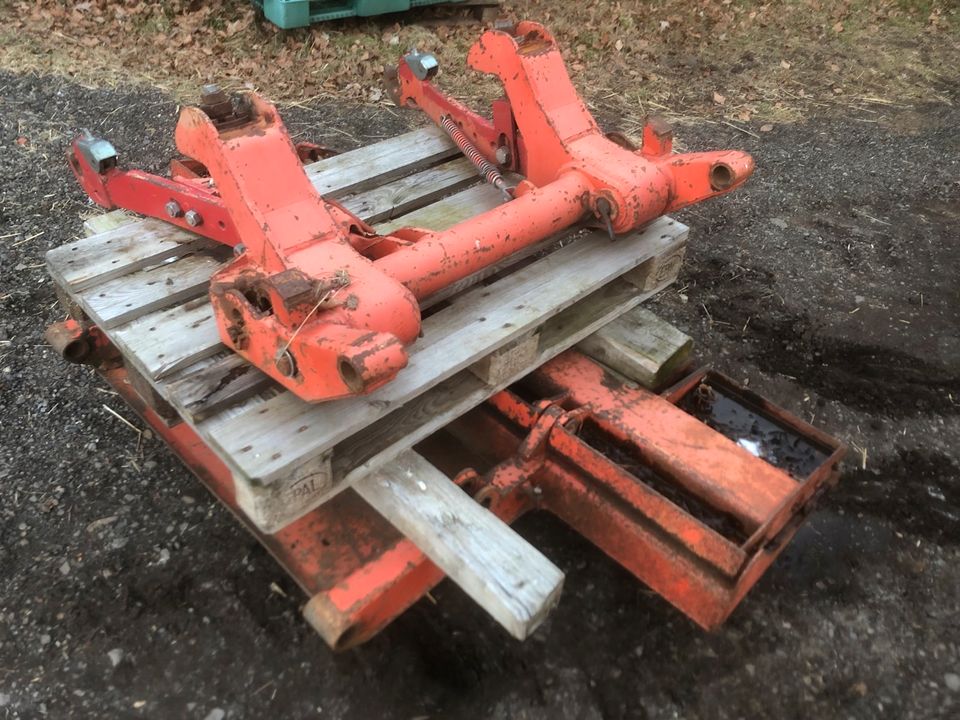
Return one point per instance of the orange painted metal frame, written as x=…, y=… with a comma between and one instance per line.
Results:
x=360, y=573
x=325, y=306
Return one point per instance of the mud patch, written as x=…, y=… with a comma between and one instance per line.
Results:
x=917, y=492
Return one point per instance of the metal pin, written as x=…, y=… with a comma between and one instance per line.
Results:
x=604, y=210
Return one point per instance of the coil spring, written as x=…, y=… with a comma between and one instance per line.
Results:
x=486, y=168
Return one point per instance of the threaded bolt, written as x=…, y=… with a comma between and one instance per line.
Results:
x=173, y=209
x=193, y=218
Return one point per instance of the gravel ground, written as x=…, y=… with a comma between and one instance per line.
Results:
x=829, y=283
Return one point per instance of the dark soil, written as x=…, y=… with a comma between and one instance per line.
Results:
x=829, y=283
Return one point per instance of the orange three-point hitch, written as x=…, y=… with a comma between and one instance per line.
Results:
x=320, y=302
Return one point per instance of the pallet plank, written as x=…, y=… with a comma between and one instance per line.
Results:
x=498, y=569
x=125, y=249
x=311, y=484
x=376, y=164
x=96, y=224
x=396, y=198
x=167, y=340
x=479, y=322
x=126, y=298
x=454, y=209
x=201, y=392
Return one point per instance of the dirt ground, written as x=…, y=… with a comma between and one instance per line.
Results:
x=829, y=283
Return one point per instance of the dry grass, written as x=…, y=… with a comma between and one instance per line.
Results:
x=723, y=60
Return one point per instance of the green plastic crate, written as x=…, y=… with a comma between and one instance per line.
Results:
x=300, y=13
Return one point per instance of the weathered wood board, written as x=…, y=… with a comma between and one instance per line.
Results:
x=501, y=571
x=640, y=346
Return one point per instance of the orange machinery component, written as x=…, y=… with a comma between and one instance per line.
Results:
x=695, y=491
x=320, y=302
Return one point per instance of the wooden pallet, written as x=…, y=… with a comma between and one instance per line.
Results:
x=145, y=284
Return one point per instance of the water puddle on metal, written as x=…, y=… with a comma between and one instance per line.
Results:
x=754, y=431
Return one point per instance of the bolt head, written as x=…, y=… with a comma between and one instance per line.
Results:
x=193, y=218
x=503, y=155
x=239, y=249
x=173, y=209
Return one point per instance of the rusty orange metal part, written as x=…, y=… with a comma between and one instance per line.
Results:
x=319, y=301
x=699, y=526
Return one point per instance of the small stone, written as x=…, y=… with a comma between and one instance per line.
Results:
x=952, y=681
x=164, y=556
x=215, y=714
x=4, y=699
x=65, y=568
x=859, y=299
x=779, y=222
x=45, y=639
x=115, y=655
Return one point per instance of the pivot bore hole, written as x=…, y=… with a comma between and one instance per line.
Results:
x=721, y=176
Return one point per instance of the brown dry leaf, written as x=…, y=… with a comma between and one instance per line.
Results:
x=718, y=98
x=766, y=128
x=236, y=26
x=618, y=45
x=785, y=65
x=838, y=27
